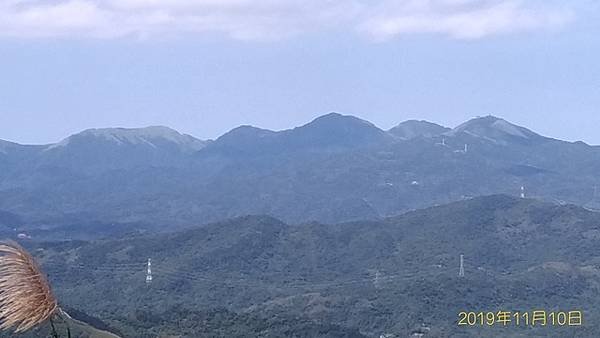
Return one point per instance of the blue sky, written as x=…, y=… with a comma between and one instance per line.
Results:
x=206, y=66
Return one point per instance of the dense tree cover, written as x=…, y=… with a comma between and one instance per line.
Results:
x=259, y=276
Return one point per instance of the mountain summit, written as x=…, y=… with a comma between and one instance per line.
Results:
x=325, y=133
x=496, y=130
x=337, y=130
x=411, y=129
x=116, y=148
x=154, y=136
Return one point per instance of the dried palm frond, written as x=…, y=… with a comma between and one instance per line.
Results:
x=26, y=299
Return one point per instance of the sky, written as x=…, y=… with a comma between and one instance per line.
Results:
x=204, y=67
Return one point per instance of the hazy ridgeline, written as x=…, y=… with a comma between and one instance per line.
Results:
x=357, y=233
x=336, y=168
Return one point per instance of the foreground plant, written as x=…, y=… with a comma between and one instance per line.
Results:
x=26, y=299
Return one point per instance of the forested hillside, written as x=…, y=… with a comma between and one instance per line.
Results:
x=396, y=276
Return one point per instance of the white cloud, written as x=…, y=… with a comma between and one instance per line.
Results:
x=461, y=19
x=272, y=19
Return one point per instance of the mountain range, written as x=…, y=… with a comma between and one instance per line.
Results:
x=261, y=277
x=336, y=168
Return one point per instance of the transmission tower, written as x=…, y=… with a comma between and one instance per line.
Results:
x=522, y=192
x=461, y=270
x=149, y=272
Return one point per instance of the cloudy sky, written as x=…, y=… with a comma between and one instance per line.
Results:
x=206, y=66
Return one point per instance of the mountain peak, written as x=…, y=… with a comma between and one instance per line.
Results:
x=495, y=129
x=338, y=119
x=486, y=119
x=243, y=135
x=335, y=129
x=134, y=135
x=328, y=132
x=151, y=136
x=411, y=129
x=331, y=115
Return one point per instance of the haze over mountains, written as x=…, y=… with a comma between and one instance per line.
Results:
x=312, y=231
x=336, y=168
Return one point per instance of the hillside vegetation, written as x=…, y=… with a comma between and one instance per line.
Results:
x=395, y=276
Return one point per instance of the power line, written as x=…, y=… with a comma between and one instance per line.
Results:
x=179, y=274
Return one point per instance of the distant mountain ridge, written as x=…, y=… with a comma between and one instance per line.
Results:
x=334, y=125
x=335, y=168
